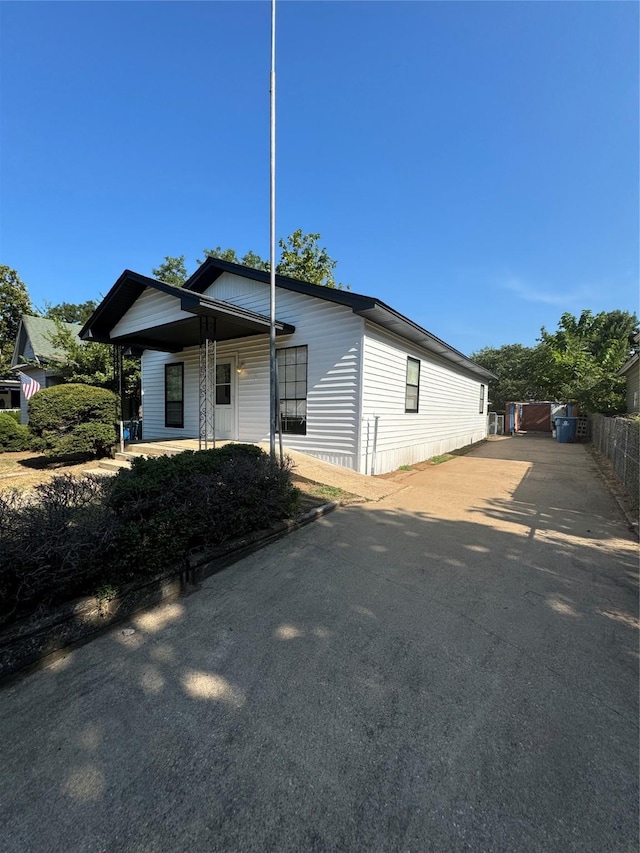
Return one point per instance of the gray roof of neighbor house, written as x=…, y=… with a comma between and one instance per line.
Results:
x=633, y=359
x=37, y=333
x=130, y=285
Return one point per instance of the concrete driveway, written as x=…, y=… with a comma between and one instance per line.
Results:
x=453, y=668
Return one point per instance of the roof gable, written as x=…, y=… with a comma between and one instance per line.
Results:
x=34, y=340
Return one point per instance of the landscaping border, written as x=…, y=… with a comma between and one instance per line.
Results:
x=36, y=642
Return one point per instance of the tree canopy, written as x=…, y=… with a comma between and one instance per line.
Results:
x=172, y=270
x=14, y=302
x=576, y=363
x=71, y=312
x=301, y=257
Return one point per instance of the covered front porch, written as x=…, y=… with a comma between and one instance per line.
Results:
x=141, y=314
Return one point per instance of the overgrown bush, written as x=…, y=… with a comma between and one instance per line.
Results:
x=13, y=413
x=54, y=542
x=72, y=535
x=74, y=420
x=13, y=436
x=194, y=499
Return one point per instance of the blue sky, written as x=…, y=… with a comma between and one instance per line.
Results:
x=474, y=165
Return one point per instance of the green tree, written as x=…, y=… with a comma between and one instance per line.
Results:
x=91, y=363
x=71, y=312
x=520, y=373
x=582, y=357
x=250, y=259
x=303, y=258
x=14, y=302
x=172, y=271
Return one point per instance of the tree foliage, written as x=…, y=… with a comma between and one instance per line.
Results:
x=91, y=363
x=518, y=371
x=583, y=356
x=14, y=302
x=577, y=363
x=71, y=312
x=250, y=259
x=301, y=257
x=172, y=271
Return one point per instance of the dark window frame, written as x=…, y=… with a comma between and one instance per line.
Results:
x=482, y=395
x=170, y=366
x=293, y=424
x=407, y=408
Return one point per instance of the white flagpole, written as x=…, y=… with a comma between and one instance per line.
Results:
x=272, y=256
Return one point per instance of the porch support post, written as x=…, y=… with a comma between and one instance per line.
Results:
x=119, y=383
x=206, y=383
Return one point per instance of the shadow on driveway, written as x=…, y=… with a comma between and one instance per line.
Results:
x=454, y=668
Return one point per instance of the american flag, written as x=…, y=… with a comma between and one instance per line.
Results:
x=29, y=385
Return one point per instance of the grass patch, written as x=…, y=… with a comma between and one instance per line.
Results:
x=316, y=494
x=438, y=460
x=26, y=469
x=405, y=468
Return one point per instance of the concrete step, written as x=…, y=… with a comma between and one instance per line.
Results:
x=113, y=464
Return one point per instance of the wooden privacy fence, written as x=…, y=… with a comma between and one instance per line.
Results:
x=619, y=440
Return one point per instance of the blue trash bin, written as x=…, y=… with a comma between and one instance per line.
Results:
x=566, y=429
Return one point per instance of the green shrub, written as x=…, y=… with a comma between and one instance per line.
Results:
x=195, y=499
x=74, y=420
x=13, y=436
x=73, y=536
x=13, y=413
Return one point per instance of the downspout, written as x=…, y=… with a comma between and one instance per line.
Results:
x=375, y=444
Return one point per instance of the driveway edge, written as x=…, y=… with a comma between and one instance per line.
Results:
x=36, y=643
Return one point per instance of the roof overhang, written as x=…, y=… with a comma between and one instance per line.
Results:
x=368, y=307
x=626, y=367
x=226, y=321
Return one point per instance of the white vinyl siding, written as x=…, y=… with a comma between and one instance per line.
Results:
x=151, y=308
x=332, y=334
x=448, y=415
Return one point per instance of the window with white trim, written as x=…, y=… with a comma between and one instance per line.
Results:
x=482, y=392
x=412, y=385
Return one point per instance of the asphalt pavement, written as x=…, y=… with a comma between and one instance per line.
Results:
x=452, y=668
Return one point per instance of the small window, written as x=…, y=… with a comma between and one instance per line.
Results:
x=292, y=382
x=412, y=389
x=223, y=384
x=482, y=389
x=174, y=395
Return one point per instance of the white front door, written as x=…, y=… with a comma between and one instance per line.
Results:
x=225, y=413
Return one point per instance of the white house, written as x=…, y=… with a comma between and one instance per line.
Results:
x=36, y=356
x=360, y=385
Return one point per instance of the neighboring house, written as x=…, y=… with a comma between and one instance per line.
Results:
x=361, y=386
x=631, y=371
x=9, y=394
x=35, y=355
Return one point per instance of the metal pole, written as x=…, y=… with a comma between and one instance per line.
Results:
x=272, y=253
x=215, y=380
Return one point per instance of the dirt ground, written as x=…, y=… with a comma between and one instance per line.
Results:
x=25, y=470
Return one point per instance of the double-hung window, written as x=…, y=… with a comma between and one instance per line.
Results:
x=482, y=391
x=174, y=394
x=412, y=386
x=292, y=382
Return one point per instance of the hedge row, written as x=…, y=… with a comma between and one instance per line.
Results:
x=73, y=535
